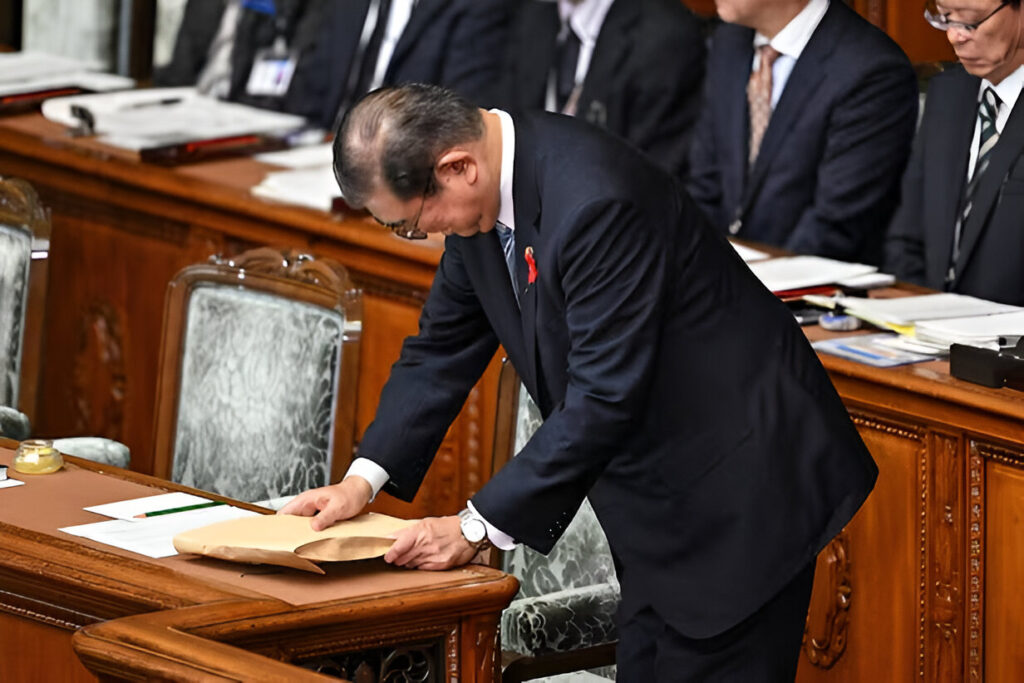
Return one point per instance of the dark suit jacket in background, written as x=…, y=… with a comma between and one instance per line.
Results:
x=678, y=393
x=644, y=79
x=455, y=43
x=992, y=243
x=827, y=178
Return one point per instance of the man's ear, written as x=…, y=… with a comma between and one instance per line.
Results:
x=457, y=164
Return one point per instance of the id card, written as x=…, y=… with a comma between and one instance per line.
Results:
x=272, y=72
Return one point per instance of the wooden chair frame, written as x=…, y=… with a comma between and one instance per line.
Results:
x=289, y=274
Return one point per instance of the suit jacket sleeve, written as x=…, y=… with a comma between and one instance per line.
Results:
x=704, y=179
x=474, y=52
x=665, y=100
x=904, y=248
x=430, y=381
x=869, y=139
x=612, y=266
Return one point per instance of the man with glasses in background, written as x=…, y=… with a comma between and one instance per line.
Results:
x=631, y=323
x=960, y=225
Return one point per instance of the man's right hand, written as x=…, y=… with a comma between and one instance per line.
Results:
x=330, y=504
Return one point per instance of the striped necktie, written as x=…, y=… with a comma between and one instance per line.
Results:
x=988, y=110
x=508, y=246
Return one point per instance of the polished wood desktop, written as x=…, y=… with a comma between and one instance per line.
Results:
x=921, y=586
x=128, y=617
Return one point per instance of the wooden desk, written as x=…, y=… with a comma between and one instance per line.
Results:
x=186, y=618
x=122, y=229
x=924, y=583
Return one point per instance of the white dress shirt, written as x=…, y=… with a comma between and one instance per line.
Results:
x=373, y=473
x=398, y=19
x=790, y=43
x=585, y=17
x=1008, y=91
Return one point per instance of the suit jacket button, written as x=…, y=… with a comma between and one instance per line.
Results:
x=735, y=226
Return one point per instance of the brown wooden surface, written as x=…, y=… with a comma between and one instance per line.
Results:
x=122, y=229
x=134, y=618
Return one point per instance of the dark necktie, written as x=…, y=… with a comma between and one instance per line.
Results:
x=364, y=61
x=508, y=245
x=759, y=99
x=568, y=56
x=988, y=110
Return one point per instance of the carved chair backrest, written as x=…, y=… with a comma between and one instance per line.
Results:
x=24, y=230
x=256, y=391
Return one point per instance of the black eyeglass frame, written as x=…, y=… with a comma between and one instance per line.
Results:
x=940, y=22
x=405, y=229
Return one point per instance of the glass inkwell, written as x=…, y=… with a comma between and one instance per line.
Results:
x=37, y=456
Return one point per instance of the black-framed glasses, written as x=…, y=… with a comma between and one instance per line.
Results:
x=410, y=230
x=943, y=23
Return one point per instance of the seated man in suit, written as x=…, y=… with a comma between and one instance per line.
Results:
x=805, y=129
x=629, y=320
x=342, y=49
x=960, y=225
x=634, y=67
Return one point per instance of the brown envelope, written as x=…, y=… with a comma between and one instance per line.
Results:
x=288, y=540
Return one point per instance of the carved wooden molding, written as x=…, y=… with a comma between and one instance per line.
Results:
x=389, y=289
x=977, y=454
x=945, y=609
x=825, y=642
x=98, y=381
x=474, y=452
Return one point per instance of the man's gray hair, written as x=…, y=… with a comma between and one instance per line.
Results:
x=396, y=135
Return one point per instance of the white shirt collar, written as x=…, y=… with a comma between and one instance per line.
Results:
x=1008, y=89
x=506, y=211
x=585, y=17
x=793, y=38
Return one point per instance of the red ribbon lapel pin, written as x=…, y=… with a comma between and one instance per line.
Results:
x=532, y=264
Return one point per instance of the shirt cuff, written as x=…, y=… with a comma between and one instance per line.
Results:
x=375, y=475
x=497, y=537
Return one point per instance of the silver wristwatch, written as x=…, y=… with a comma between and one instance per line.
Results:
x=474, y=530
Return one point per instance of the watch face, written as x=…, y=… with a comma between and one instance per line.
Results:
x=473, y=529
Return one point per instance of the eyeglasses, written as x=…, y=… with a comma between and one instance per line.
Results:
x=942, y=22
x=411, y=230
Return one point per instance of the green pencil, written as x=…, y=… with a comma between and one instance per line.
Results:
x=183, y=508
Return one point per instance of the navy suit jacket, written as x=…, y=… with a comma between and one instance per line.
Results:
x=446, y=42
x=644, y=80
x=678, y=393
x=992, y=242
x=826, y=180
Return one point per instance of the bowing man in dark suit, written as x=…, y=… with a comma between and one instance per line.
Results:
x=960, y=225
x=806, y=126
x=634, y=67
x=631, y=323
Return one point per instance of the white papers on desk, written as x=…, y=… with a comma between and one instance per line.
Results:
x=983, y=331
x=908, y=310
x=33, y=72
x=798, y=272
x=153, y=536
x=9, y=483
x=300, y=157
x=156, y=117
x=314, y=188
x=127, y=509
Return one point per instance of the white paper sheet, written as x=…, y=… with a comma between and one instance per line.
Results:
x=909, y=309
x=797, y=272
x=30, y=72
x=300, y=157
x=153, y=536
x=127, y=509
x=314, y=188
x=9, y=483
x=981, y=331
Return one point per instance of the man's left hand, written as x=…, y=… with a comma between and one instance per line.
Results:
x=433, y=543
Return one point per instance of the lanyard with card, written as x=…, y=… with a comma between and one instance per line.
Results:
x=272, y=70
